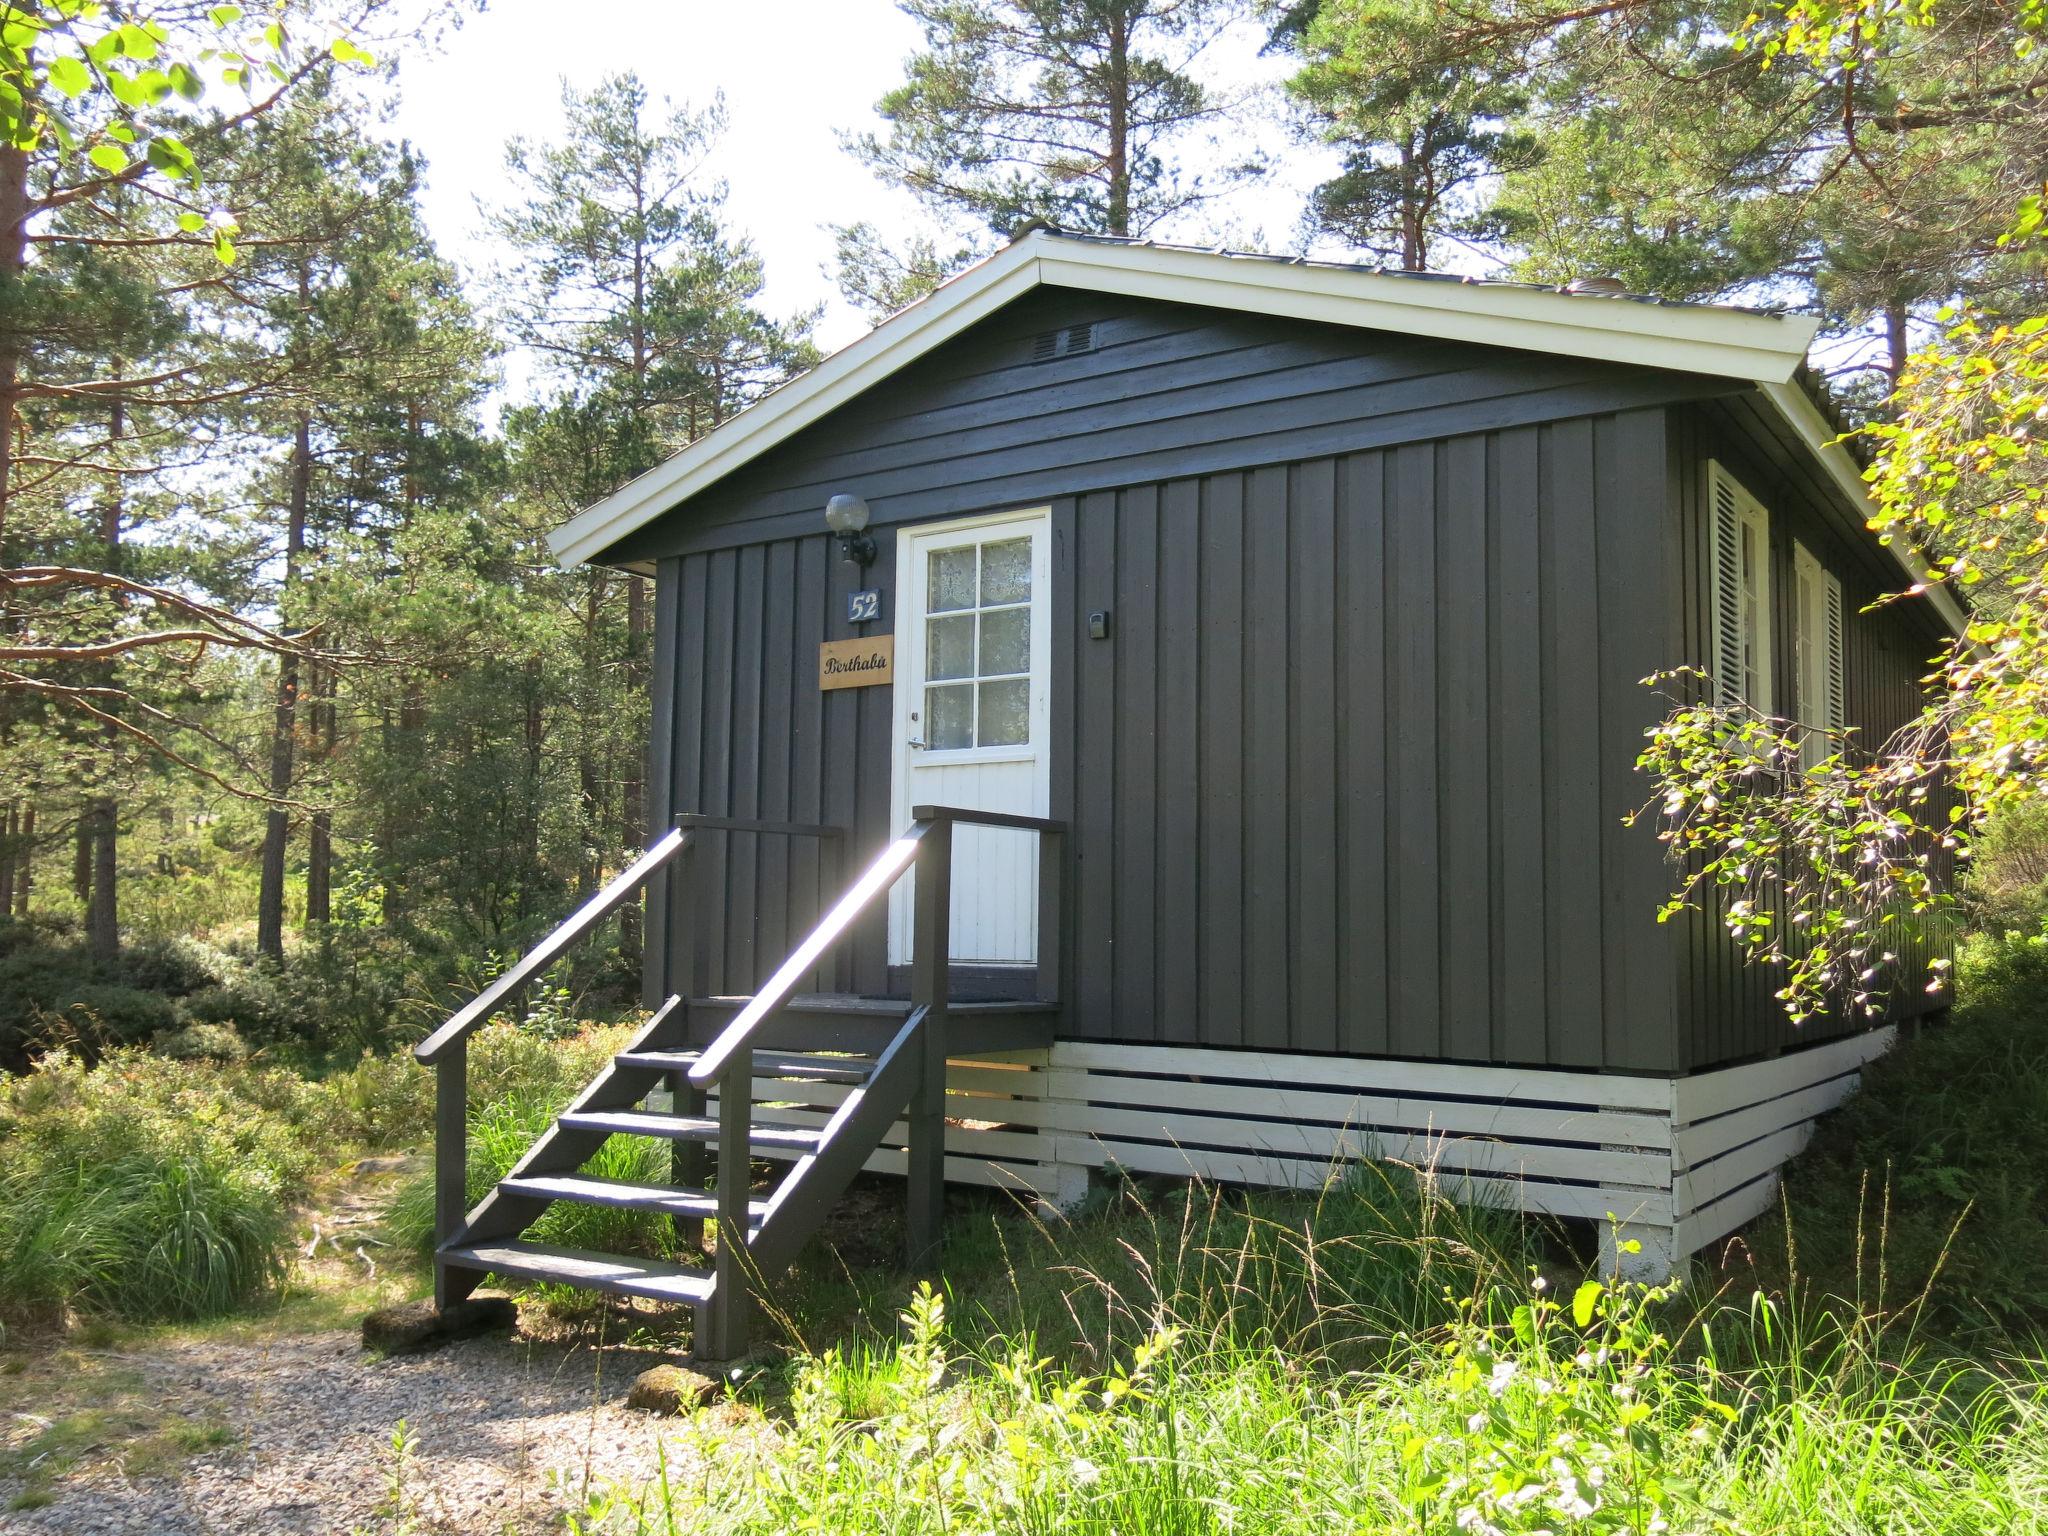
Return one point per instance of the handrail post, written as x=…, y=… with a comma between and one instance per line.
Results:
x=930, y=959
x=451, y=1164
x=728, y=1317
x=682, y=926
x=1052, y=891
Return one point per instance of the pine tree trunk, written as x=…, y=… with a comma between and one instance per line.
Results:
x=1119, y=94
x=588, y=780
x=1898, y=342
x=25, y=873
x=320, y=834
x=1412, y=252
x=102, y=910
x=285, y=719
x=10, y=833
x=102, y=915
x=634, y=791
x=14, y=215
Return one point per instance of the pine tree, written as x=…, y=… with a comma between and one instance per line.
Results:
x=1087, y=113
x=1420, y=142
x=643, y=309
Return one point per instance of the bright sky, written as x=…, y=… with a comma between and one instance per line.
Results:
x=787, y=96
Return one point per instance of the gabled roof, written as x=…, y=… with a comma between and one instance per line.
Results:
x=1760, y=347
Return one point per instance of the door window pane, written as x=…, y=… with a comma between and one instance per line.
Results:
x=952, y=579
x=978, y=646
x=949, y=716
x=1006, y=572
x=1005, y=641
x=949, y=647
x=1005, y=713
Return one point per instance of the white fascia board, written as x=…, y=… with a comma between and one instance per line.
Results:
x=896, y=343
x=1721, y=342
x=1822, y=439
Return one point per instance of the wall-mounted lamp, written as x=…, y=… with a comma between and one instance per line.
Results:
x=847, y=516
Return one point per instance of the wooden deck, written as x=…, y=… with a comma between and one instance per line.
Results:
x=845, y=1021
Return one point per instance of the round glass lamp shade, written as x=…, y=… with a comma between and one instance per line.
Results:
x=846, y=514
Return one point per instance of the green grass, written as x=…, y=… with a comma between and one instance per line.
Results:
x=150, y=1190
x=1498, y=1405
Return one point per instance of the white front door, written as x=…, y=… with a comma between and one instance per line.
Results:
x=973, y=647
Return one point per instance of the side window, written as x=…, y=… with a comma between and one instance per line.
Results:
x=1741, y=660
x=1818, y=662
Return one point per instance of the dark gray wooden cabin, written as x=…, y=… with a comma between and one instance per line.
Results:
x=1347, y=585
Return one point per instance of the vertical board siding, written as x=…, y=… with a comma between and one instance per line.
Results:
x=1346, y=776
x=1727, y=1007
x=751, y=735
x=1355, y=680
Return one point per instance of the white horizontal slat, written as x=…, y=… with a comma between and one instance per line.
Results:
x=1483, y=1084
x=1038, y=1178
x=1330, y=1143
x=965, y=1105
x=1440, y=1116
x=1697, y=1144
x=1698, y=1188
x=1311, y=1173
x=1716, y=1221
x=1715, y=1093
x=1021, y=1145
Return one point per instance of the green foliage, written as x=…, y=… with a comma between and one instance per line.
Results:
x=150, y=1189
x=1933, y=1179
x=1422, y=136
x=2004, y=886
x=1087, y=113
x=1525, y=1414
x=387, y=1100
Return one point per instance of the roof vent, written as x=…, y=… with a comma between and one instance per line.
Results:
x=1597, y=285
x=1066, y=342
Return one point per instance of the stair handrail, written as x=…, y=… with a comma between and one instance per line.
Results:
x=712, y=1067
x=550, y=949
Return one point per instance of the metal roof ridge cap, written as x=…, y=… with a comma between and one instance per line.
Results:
x=1759, y=356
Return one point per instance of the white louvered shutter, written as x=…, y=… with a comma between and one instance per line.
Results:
x=1835, y=685
x=1725, y=509
x=1741, y=661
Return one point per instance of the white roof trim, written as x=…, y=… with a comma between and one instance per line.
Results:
x=1738, y=344
x=1823, y=440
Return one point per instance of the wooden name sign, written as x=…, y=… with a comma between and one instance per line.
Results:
x=857, y=663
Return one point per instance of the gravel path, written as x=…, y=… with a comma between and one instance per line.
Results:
x=505, y=1430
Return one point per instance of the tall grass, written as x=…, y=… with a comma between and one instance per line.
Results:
x=1263, y=1390
x=519, y=1082
x=149, y=1189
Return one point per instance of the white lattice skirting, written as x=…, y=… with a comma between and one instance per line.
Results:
x=1679, y=1162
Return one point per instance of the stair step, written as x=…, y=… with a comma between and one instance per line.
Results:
x=816, y=1069
x=584, y=1189
x=597, y=1271
x=626, y=1122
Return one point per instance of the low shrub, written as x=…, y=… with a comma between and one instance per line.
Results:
x=1933, y=1178
x=202, y=1042
x=151, y=1189
x=386, y=1099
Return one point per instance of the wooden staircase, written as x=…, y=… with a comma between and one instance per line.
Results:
x=890, y=1053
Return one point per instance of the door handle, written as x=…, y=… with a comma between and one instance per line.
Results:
x=917, y=742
